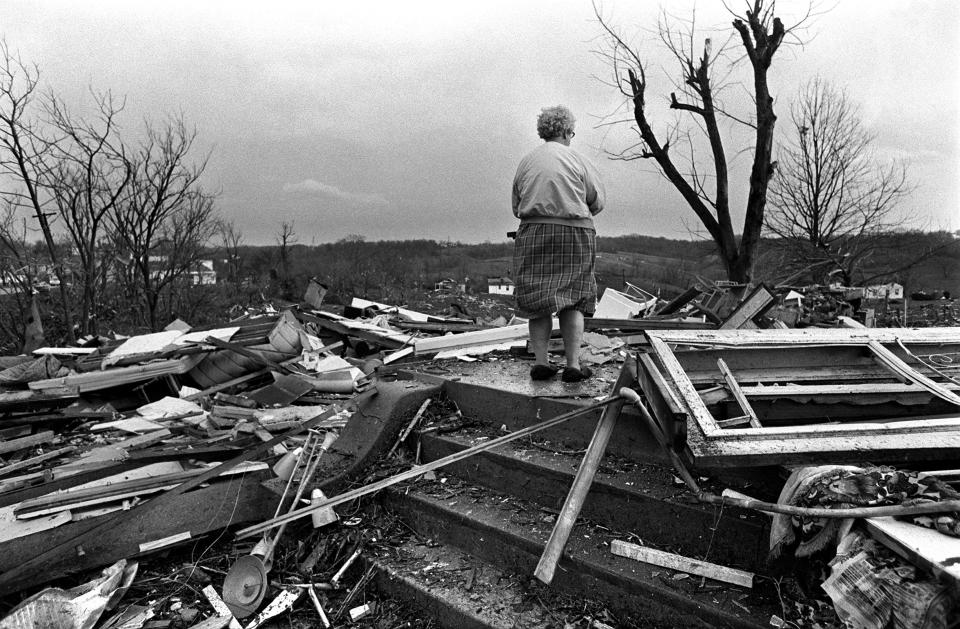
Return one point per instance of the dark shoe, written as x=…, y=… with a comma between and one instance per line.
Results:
x=572, y=374
x=543, y=372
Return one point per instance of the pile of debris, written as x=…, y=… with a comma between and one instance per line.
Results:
x=139, y=445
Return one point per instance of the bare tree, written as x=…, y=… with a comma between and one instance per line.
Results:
x=166, y=218
x=25, y=158
x=760, y=35
x=831, y=194
x=89, y=174
x=231, y=239
x=285, y=239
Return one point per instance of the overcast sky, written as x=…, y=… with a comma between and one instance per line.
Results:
x=406, y=119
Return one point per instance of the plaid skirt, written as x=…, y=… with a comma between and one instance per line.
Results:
x=553, y=269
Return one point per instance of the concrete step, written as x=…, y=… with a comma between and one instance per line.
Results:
x=509, y=533
x=456, y=589
x=626, y=495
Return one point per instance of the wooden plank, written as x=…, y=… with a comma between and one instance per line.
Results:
x=697, y=410
x=433, y=345
x=413, y=315
x=18, y=575
x=341, y=328
x=119, y=535
x=581, y=483
x=98, y=380
x=669, y=411
x=683, y=564
x=794, y=374
x=419, y=470
x=795, y=448
x=636, y=325
x=680, y=301
x=809, y=336
x=843, y=390
x=927, y=548
x=738, y=394
x=897, y=366
x=853, y=429
x=27, y=463
x=13, y=445
x=754, y=304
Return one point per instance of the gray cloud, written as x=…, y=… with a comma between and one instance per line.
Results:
x=313, y=187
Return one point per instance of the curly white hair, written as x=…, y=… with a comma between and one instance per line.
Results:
x=554, y=122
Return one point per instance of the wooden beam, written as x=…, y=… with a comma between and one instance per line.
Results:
x=432, y=345
x=13, y=445
x=15, y=575
x=927, y=548
x=680, y=301
x=116, y=376
x=111, y=492
x=419, y=470
x=759, y=299
x=892, y=362
x=636, y=325
x=683, y=564
x=582, y=481
x=808, y=336
x=26, y=463
x=738, y=394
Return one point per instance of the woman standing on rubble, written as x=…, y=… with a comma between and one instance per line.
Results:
x=556, y=193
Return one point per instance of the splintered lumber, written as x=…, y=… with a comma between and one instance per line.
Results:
x=413, y=315
x=504, y=334
x=62, y=553
x=754, y=304
x=419, y=470
x=927, y=548
x=581, y=483
x=893, y=362
x=738, y=394
x=14, y=445
x=680, y=301
x=683, y=564
x=27, y=463
x=85, y=497
x=343, y=329
x=410, y=426
x=116, y=376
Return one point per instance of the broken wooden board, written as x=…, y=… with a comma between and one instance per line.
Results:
x=927, y=548
x=117, y=376
x=231, y=501
x=753, y=305
x=107, y=490
x=432, y=345
x=683, y=564
x=869, y=421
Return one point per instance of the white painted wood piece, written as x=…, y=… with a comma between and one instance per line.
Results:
x=684, y=564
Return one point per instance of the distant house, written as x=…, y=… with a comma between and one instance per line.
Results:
x=450, y=285
x=202, y=273
x=500, y=286
x=884, y=291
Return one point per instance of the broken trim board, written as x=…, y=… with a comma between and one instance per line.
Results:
x=929, y=548
x=117, y=376
x=683, y=564
x=409, y=314
x=466, y=339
